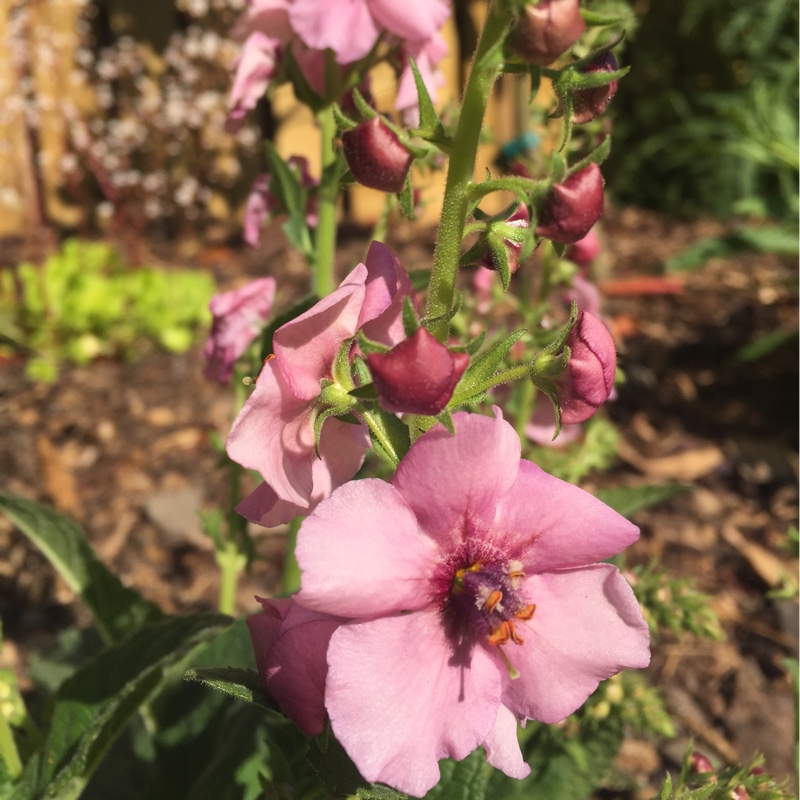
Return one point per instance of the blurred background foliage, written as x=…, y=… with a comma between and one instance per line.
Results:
x=706, y=121
x=112, y=113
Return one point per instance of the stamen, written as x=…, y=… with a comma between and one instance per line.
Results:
x=493, y=601
x=526, y=612
x=501, y=634
x=512, y=673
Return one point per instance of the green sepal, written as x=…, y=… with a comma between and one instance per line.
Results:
x=341, y=366
x=558, y=169
x=389, y=436
x=406, y=198
x=287, y=316
x=343, y=122
x=472, y=347
x=499, y=252
x=364, y=108
x=368, y=346
x=410, y=321
x=446, y=418
x=362, y=370
x=597, y=156
x=595, y=20
x=365, y=392
x=320, y=418
x=429, y=121
x=475, y=253
x=430, y=322
x=559, y=249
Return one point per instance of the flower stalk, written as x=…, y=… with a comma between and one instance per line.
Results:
x=487, y=64
x=325, y=243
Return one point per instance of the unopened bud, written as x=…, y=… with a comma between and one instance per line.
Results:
x=590, y=103
x=417, y=376
x=520, y=219
x=700, y=763
x=376, y=156
x=588, y=379
x=547, y=30
x=572, y=208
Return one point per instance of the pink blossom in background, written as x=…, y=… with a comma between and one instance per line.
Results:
x=274, y=432
x=585, y=294
x=585, y=250
x=588, y=379
x=290, y=643
x=262, y=204
x=351, y=29
x=474, y=598
x=239, y=316
x=253, y=70
x=542, y=427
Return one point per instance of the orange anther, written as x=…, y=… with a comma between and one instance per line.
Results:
x=493, y=600
x=526, y=612
x=269, y=358
x=501, y=634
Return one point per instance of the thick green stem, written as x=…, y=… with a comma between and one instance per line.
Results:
x=231, y=562
x=325, y=242
x=488, y=61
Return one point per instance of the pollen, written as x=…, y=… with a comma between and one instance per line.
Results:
x=505, y=632
x=526, y=612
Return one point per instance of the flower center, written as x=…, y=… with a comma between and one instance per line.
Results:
x=485, y=601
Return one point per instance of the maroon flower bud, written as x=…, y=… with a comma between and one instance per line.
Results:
x=590, y=103
x=571, y=208
x=521, y=218
x=376, y=156
x=418, y=375
x=700, y=763
x=588, y=379
x=547, y=30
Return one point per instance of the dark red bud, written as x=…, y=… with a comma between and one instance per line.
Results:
x=700, y=763
x=547, y=30
x=590, y=103
x=376, y=156
x=519, y=219
x=572, y=208
x=417, y=376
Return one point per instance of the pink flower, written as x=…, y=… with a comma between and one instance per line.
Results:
x=351, y=29
x=547, y=30
x=474, y=599
x=376, y=156
x=417, y=376
x=239, y=317
x=274, y=432
x=585, y=250
x=542, y=427
x=262, y=204
x=571, y=208
x=588, y=379
x=253, y=70
x=290, y=643
x=585, y=294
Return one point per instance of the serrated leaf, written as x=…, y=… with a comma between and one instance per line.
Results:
x=93, y=706
x=627, y=500
x=115, y=609
x=243, y=684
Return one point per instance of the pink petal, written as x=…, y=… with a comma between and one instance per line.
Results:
x=411, y=19
x=361, y=553
x=502, y=746
x=274, y=435
x=453, y=483
x=306, y=346
x=548, y=524
x=346, y=27
x=271, y=17
x=297, y=669
x=399, y=700
x=428, y=55
x=387, y=287
x=587, y=627
x=253, y=70
x=342, y=448
x=264, y=631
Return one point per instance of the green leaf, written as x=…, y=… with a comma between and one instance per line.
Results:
x=467, y=779
x=243, y=684
x=764, y=345
x=116, y=609
x=289, y=188
x=627, y=500
x=93, y=707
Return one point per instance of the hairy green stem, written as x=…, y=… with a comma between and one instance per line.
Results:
x=325, y=242
x=8, y=749
x=231, y=562
x=291, y=569
x=487, y=64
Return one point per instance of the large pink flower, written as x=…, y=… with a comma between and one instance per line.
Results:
x=239, y=316
x=475, y=598
x=351, y=27
x=274, y=432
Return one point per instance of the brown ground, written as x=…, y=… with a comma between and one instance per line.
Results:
x=125, y=448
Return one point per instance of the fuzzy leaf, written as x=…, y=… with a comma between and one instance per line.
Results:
x=627, y=500
x=243, y=684
x=116, y=609
x=428, y=118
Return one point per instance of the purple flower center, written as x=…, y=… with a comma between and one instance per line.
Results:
x=483, y=601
